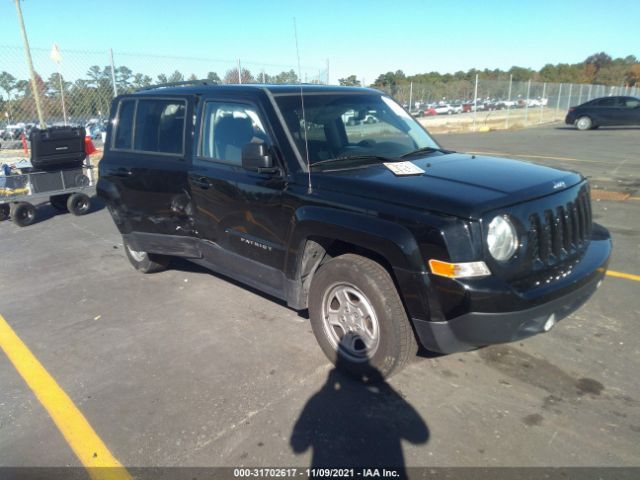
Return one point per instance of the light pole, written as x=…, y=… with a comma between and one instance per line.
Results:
x=27, y=52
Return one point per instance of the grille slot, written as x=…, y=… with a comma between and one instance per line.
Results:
x=554, y=234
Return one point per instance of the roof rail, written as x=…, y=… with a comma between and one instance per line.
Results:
x=178, y=84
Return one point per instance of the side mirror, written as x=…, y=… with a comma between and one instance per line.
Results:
x=255, y=156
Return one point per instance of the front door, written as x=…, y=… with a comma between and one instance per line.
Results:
x=239, y=213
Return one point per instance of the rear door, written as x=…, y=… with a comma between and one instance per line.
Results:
x=607, y=111
x=148, y=163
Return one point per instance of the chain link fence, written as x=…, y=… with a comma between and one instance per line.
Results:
x=76, y=86
x=472, y=105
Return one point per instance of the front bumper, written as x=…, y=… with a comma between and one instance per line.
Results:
x=499, y=316
x=570, y=119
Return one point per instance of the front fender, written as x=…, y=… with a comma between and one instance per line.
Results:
x=388, y=239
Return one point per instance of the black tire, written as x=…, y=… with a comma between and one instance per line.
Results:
x=5, y=211
x=584, y=123
x=59, y=202
x=396, y=342
x=23, y=214
x=146, y=262
x=79, y=203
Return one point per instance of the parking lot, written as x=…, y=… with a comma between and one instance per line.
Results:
x=187, y=368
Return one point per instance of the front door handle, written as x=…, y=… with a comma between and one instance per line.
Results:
x=203, y=182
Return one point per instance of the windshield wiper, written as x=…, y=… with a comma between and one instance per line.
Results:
x=426, y=150
x=381, y=158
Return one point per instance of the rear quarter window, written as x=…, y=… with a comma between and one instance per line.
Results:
x=123, y=138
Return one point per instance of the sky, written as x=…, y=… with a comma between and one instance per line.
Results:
x=364, y=38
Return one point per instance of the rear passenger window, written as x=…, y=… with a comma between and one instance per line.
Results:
x=160, y=126
x=124, y=125
x=607, y=102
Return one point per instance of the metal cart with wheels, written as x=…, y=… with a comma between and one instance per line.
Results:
x=66, y=190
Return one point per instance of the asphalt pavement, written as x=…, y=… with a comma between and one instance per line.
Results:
x=188, y=368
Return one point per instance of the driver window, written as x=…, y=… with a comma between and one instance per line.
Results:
x=226, y=128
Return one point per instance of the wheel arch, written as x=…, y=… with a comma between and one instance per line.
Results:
x=320, y=234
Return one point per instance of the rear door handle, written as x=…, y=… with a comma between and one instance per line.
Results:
x=203, y=182
x=121, y=172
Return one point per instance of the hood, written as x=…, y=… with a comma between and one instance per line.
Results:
x=458, y=184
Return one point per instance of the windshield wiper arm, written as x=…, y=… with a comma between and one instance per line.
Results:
x=358, y=157
x=426, y=150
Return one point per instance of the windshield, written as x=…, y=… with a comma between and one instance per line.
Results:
x=351, y=125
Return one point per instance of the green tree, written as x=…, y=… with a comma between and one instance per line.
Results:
x=350, y=81
x=231, y=76
x=213, y=77
x=176, y=76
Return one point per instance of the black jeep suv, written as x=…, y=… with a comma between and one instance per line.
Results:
x=387, y=239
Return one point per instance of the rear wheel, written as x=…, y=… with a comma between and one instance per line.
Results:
x=358, y=318
x=23, y=214
x=146, y=262
x=79, y=203
x=584, y=123
x=59, y=202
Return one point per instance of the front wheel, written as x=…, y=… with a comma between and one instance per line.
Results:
x=146, y=262
x=584, y=123
x=358, y=318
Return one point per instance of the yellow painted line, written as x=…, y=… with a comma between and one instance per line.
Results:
x=633, y=198
x=628, y=276
x=83, y=440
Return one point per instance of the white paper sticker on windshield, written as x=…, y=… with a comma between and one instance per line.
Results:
x=404, y=168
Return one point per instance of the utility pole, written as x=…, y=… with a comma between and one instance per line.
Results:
x=113, y=73
x=27, y=52
x=328, y=81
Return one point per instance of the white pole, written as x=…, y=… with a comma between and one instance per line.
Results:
x=475, y=102
x=64, y=108
x=544, y=91
x=580, y=95
x=239, y=72
x=113, y=74
x=509, y=100
x=410, y=95
x=589, y=94
x=559, y=95
x=526, y=106
x=569, y=99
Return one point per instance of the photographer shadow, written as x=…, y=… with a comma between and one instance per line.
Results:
x=357, y=423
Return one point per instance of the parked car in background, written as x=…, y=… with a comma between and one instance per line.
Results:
x=425, y=111
x=606, y=111
x=443, y=109
x=457, y=107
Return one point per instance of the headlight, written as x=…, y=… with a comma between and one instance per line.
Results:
x=502, y=239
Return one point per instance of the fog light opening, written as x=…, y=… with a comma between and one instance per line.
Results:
x=551, y=321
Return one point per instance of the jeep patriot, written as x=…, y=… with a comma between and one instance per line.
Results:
x=389, y=240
